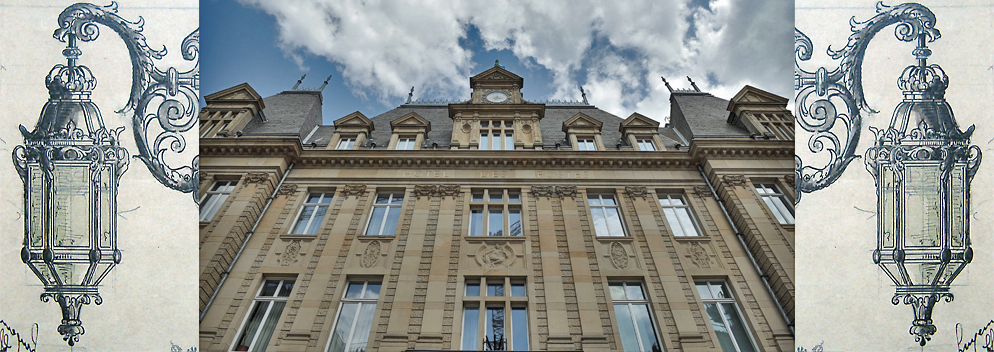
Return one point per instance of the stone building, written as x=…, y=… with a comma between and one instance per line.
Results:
x=496, y=223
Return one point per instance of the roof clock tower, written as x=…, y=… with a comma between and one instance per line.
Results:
x=496, y=117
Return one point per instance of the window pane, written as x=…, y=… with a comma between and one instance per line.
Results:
x=269, y=288
x=484, y=141
x=735, y=325
x=644, y=322
x=354, y=290
x=470, y=328
x=508, y=141
x=634, y=291
x=393, y=216
x=519, y=326
x=375, y=221
x=372, y=290
x=286, y=288
x=495, y=323
x=473, y=289
x=518, y=290
x=689, y=228
x=628, y=338
x=495, y=290
x=252, y=327
x=343, y=327
x=362, y=327
x=397, y=198
x=719, y=327
x=513, y=197
x=267, y=327
x=617, y=291
x=496, y=223
x=614, y=222
x=674, y=223
x=784, y=210
x=593, y=200
x=476, y=222
x=702, y=289
x=718, y=290
x=305, y=217
x=515, y=222
x=478, y=197
x=496, y=195
x=382, y=198
x=318, y=218
x=600, y=224
x=608, y=199
x=774, y=210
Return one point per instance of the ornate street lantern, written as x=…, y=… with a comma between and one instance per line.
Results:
x=71, y=164
x=922, y=163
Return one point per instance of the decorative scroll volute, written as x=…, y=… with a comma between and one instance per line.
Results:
x=554, y=191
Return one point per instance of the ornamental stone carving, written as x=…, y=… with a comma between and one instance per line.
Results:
x=354, y=190
x=619, y=256
x=437, y=190
x=496, y=256
x=699, y=256
x=790, y=179
x=734, y=180
x=290, y=253
x=371, y=255
x=255, y=177
x=286, y=189
x=637, y=191
x=554, y=191
x=702, y=191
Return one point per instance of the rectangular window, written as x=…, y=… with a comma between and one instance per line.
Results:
x=495, y=211
x=777, y=202
x=495, y=321
x=631, y=309
x=496, y=135
x=585, y=144
x=646, y=145
x=678, y=215
x=386, y=214
x=265, y=313
x=606, y=215
x=345, y=143
x=355, y=317
x=206, y=127
x=214, y=198
x=312, y=214
x=725, y=318
x=405, y=144
x=224, y=126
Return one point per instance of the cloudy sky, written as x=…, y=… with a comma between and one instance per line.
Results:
x=377, y=50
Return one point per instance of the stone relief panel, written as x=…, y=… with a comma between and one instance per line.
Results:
x=354, y=190
x=621, y=255
x=286, y=189
x=437, y=190
x=288, y=252
x=702, y=191
x=734, y=180
x=370, y=255
x=554, y=191
x=637, y=191
x=702, y=256
x=255, y=177
x=495, y=256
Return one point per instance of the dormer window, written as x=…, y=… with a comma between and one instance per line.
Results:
x=351, y=131
x=585, y=144
x=646, y=144
x=406, y=144
x=346, y=143
x=496, y=135
x=583, y=132
x=642, y=133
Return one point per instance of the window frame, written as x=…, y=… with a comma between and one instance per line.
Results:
x=617, y=206
x=586, y=143
x=777, y=194
x=330, y=195
x=208, y=196
x=629, y=303
x=505, y=131
x=349, y=140
x=410, y=142
x=698, y=230
x=641, y=142
x=390, y=204
x=270, y=299
x=361, y=301
x=485, y=206
x=483, y=302
x=722, y=284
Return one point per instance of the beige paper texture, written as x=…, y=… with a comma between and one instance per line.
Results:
x=149, y=299
x=843, y=299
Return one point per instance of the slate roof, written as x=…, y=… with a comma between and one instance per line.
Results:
x=287, y=113
x=702, y=115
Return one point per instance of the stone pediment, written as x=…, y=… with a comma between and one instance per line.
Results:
x=240, y=92
x=496, y=75
x=354, y=119
x=638, y=123
x=753, y=95
x=411, y=120
x=581, y=120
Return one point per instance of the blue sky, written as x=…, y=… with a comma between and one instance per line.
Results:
x=377, y=50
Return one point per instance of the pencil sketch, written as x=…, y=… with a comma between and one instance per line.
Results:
x=922, y=163
x=71, y=163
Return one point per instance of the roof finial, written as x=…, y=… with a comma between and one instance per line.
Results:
x=298, y=82
x=410, y=95
x=667, y=84
x=325, y=83
x=584, y=94
x=497, y=63
x=693, y=84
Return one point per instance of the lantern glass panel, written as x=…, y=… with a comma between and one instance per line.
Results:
x=106, y=209
x=887, y=216
x=37, y=205
x=923, y=217
x=957, y=205
x=70, y=196
x=922, y=273
x=894, y=273
x=70, y=273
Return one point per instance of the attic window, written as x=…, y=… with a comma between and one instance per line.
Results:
x=346, y=143
x=646, y=145
x=585, y=144
x=496, y=135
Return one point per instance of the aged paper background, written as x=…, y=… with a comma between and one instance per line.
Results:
x=150, y=299
x=843, y=299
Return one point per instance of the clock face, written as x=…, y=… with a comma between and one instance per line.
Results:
x=496, y=97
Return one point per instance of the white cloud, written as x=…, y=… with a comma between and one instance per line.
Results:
x=385, y=47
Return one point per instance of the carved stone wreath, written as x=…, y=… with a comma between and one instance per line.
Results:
x=371, y=255
x=619, y=256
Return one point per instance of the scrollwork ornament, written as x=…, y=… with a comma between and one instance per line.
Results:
x=354, y=190
x=637, y=191
x=829, y=103
x=286, y=189
x=702, y=191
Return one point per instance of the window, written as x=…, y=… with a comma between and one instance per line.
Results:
x=222, y=129
x=496, y=135
x=495, y=212
x=405, y=144
x=502, y=314
x=725, y=318
x=386, y=213
x=585, y=144
x=646, y=145
x=631, y=308
x=312, y=214
x=779, y=125
x=607, y=218
x=678, y=215
x=345, y=143
x=214, y=198
x=355, y=317
x=206, y=127
x=259, y=326
x=777, y=202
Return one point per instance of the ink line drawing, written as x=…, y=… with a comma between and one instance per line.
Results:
x=71, y=163
x=922, y=163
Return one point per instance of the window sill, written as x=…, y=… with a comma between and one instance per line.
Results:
x=614, y=238
x=692, y=238
x=364, y=238
x=788, y=227
x=292, y=236
x=480, y=239
x=204, y=224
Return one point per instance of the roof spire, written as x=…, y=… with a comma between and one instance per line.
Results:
x=325, y=83
x=693, y=84
x=667, y=84
x=410, y=95
x=298, y=82
x=584, y=94
x=496, y=62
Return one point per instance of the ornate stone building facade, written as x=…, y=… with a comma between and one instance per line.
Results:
x=496, y=223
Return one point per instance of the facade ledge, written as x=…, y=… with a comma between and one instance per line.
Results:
x=614, y=238
x=293, y=236
x=480, y=239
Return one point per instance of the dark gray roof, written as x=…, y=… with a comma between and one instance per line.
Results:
x=289, y=112
x=552, y=125
x=437, y=116
x=697, y=115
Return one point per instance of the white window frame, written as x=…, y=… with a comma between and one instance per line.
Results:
x=685, y=208
x=406, y=143
x=505, y=131
x=506, y=205
x=210, y=124
x=646, y=144
x=586, y=143
x=259, y=298
x=320, y=204
x=602, y=208
x=721, y=285
x=390, y=205
x=361, y=301
x=215, y=198
x=777, y=202
x=347, y=142
x=632, y=302
x=508, y=302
